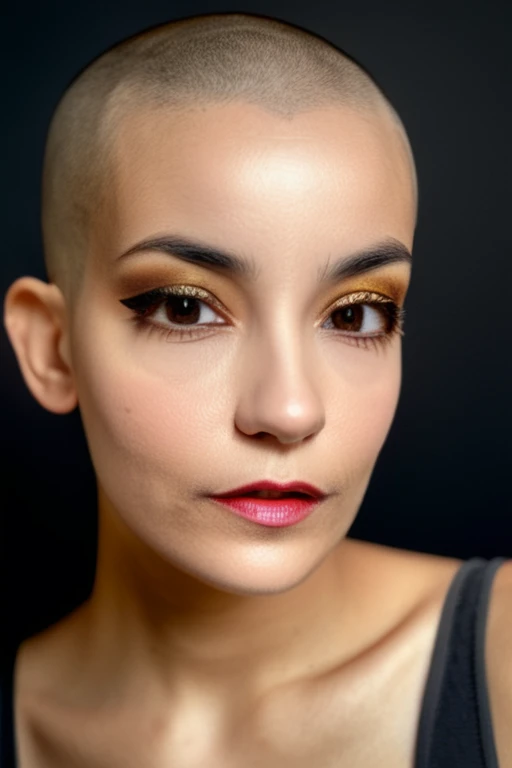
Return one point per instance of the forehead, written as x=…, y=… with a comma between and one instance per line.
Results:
x=239, y=171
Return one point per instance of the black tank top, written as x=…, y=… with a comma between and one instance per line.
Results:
x=454, y=728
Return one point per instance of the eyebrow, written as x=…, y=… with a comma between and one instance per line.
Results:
x=387, y=251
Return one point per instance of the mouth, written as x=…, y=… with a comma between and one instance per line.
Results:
x=274, y=495
x=271, y=504
x=271, y=490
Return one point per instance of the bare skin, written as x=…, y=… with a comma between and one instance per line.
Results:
x=357, y=708
x=208, y=639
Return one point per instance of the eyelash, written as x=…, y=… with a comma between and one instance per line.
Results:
x=145, y=304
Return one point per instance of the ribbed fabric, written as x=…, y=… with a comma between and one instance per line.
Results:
x=7, y=751
x=454, y=728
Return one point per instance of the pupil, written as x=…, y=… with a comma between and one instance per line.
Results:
x=348, y=318
x=182, y=309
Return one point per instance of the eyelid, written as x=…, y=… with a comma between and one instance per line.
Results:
x=156, y=296
x=144, y=304
x=184, y=290
x=195, y=292
x=358, y=297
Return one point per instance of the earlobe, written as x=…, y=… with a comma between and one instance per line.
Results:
x=35, y=321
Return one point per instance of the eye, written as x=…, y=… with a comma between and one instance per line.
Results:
x=177, y=310
x=365, y=316
x=185, y=310
x=359, y=318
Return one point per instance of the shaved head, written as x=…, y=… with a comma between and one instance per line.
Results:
x=182, y=65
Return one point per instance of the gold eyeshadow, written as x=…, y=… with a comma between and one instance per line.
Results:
x=391, y=282
x=383, y=283
x=145, y=289
x=147, y=278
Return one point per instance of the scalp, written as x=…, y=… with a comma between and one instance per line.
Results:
x=198, y=61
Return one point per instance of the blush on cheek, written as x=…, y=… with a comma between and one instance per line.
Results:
x=376, y=422
x=155, y=414
x=146, y=432
x=363, y=416
x=139, y=418
x=380, y=409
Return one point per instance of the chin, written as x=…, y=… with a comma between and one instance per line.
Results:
x=261, y=569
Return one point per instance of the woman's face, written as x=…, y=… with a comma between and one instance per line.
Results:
x=261, y=376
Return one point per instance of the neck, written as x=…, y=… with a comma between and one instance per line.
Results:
x=149, y=618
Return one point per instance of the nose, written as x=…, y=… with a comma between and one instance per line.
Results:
x=280, y=392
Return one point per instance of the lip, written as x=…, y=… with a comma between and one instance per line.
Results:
x=274, y=513
x=295, y=486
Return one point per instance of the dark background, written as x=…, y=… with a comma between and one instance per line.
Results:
x=441, y=484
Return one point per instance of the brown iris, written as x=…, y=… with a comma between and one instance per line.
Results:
x=182, y=309
x=348, y=318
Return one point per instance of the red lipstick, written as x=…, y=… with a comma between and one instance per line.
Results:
x=291, y=502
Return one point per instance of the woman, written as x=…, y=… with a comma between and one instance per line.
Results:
x=229, y=206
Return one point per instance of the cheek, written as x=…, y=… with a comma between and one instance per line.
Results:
x=158, y=414
x=364, y=404
x=148, y=408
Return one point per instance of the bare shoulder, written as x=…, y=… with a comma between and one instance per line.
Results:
x=436, y=574
x=39, y=668
x=498, y=661
x=413, y=578
x=399, y=596
x=421, y=583
x=41, y=657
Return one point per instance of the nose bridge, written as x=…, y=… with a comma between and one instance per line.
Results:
x=281, y=388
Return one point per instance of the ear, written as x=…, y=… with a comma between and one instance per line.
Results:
x=35, y=321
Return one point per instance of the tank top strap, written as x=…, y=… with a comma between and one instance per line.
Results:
x=455, y=726
x=7, y=746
